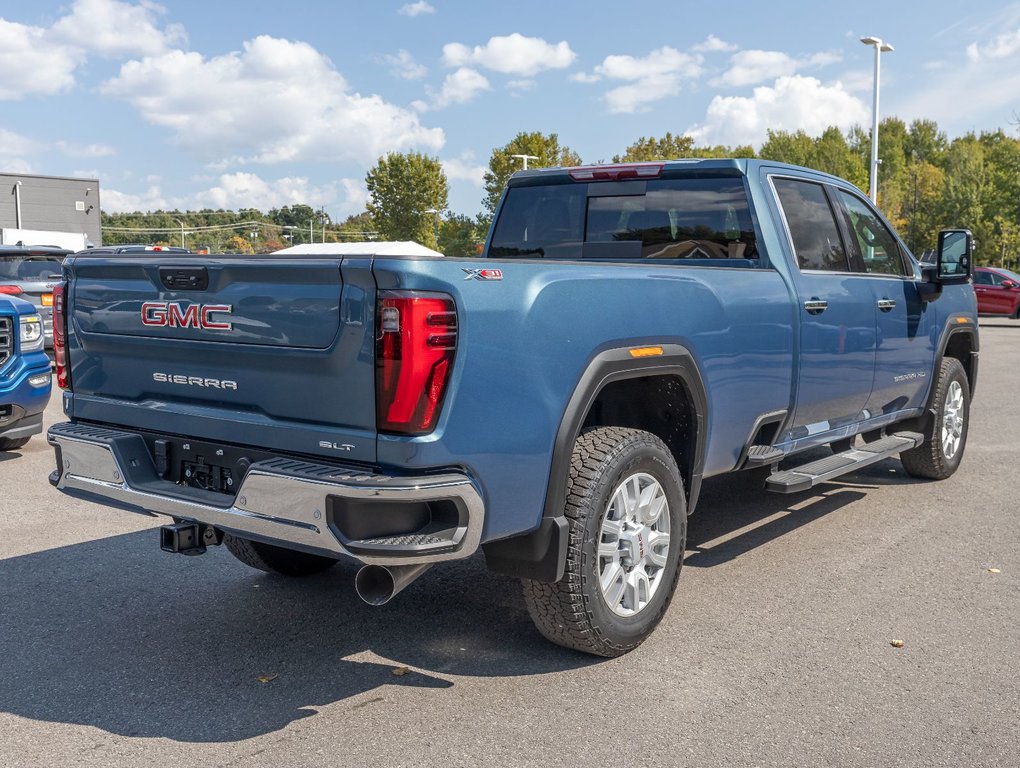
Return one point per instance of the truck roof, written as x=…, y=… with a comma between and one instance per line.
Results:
x=656, y=168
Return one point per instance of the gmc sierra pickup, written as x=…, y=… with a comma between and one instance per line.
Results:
x=628, y=331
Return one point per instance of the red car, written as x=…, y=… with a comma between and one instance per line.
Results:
x=998, y=291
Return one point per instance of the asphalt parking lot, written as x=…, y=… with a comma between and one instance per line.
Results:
x=777, y=651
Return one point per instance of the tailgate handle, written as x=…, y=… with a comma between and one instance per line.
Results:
x=184, y=278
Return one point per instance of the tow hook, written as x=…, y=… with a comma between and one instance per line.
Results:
x=186, y=538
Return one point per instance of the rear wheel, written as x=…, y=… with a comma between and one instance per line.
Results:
x=12, y=444
x=273, y=559
x=628, y=525
x=945, y=438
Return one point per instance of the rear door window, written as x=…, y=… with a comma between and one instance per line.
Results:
x=540, y=222
x=812, y=224
x=681, y=218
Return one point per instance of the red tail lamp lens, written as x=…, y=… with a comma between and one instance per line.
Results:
x=416, y=340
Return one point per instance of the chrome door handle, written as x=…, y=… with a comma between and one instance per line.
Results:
x=886, y=304
x=816, y=306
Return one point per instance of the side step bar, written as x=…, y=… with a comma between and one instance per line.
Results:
x=809, y=475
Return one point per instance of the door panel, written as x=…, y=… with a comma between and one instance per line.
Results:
x=905, y=348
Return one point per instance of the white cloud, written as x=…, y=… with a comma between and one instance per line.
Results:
x=464, y=168
x=85, y=150
x=524, y=84
x=793, y=103
x=416, y=9
x=990, y=81
x=29, y=65
x=713, y=44
x=115, y=29
x=246, y=190
x=43, y=60
x=1001, y=46
x=16, y=148
x=15, y=144
x=512, y=54
x=584, y=77
x=275, y=101
x=459, y=87
x=249, y=190
x=652, y=78
x=402, y=64
x=750, y=67
x=122, y=202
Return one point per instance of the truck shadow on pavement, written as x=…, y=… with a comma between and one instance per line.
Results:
x=736, y=515
x=115, y=634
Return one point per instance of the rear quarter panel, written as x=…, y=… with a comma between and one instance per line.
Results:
x=526, y=340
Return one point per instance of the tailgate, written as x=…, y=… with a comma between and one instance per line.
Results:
x=267, y=352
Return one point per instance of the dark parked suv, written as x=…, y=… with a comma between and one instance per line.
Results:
x=30, y=272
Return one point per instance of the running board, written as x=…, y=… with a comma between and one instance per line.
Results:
x=809, y=475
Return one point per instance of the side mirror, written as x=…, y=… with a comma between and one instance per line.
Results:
x=1008, y=284
x=954, y=257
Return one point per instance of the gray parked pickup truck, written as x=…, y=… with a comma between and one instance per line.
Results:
x=628, y=331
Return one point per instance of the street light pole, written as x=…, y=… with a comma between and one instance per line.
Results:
x=182, y=231
x=434, y=212
x=524, y=160
x=880, y=48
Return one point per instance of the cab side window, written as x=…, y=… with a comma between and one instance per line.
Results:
x=816, y=239
x=875, y=244
x=983, y=278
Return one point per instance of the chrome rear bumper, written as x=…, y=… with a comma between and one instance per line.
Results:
x=281, y=501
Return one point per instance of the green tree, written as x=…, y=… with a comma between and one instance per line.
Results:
x=668, y=147
x=545, y=151
x=358, y=227
x=402, y=187
x=460, y=236
x=786, y=147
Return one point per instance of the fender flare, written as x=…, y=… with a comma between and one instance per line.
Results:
x=541, y=554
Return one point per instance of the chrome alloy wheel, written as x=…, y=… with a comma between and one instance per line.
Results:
x=633, y=544
x=952, y=420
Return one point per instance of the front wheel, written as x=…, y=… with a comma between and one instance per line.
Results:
x=945, y=437
x=628, y=526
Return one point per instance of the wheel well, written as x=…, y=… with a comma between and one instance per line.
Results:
x=960, y=346
x=658, y=404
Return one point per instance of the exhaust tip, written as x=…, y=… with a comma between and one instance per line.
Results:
x=374, y=584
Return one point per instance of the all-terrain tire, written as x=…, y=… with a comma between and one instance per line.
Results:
x=273, y=559
x=950, y=401
x=13, y=444
x=574, y=612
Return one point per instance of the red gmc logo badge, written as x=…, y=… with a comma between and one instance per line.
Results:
x=172, y=314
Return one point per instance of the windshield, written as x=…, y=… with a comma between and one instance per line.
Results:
x=680, y=218
x=1011, y=275
x=29, y=266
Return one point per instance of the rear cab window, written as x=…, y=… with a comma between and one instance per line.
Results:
x=704, y=218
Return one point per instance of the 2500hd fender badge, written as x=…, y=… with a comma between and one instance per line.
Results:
x=194, y=381
x=173, y=314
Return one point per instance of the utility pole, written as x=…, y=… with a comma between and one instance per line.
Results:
x=524, y=160
x=182, y=231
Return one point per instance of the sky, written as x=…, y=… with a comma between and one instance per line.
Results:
x=226, y=104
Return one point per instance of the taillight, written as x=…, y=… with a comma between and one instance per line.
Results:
x=60, y=337
x=10, y=290
x=416, y=336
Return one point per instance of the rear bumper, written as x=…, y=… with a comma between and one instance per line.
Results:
x=292, y=503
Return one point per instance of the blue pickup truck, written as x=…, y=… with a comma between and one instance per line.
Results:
x=628, y=331
x=24, y=373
